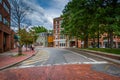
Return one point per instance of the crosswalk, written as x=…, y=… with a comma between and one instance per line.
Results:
x=41, y=56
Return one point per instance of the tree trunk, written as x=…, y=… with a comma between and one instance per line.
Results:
x=20, y=46
x=111, y=39
x=20, y=50
x=86, y=41
x=77, y=42
x=26, y=47
x=93, y=42
x=108, y=40
x=98, y=41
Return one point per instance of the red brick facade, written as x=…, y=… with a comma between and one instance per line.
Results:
x=104, y=41
x=60, y=41
x=6, y=34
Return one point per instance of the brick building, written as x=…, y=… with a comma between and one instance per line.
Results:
x=104, y=41
x=62, y=41
x=6, y=34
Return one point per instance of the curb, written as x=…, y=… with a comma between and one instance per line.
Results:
x=2, y=68
x=101, y=55
x=109, y=55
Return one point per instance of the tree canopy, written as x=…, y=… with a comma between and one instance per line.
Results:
x=27, y=37
x=39, y=29
x=86, y=19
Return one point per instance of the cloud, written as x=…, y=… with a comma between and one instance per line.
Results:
x=43, y=15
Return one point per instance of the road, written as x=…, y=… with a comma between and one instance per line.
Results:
x=51, y=57
x=56, y=56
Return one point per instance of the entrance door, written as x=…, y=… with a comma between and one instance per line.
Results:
x=4, y=42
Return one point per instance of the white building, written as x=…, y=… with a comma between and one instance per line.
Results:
x=42, y=39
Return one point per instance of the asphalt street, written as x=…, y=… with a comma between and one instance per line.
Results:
x=57, y=56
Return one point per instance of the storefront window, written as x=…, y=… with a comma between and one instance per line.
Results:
x=62, y=44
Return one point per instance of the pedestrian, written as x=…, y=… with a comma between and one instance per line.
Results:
x=32, y=47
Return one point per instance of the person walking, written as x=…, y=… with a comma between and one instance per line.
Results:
x=32, y=47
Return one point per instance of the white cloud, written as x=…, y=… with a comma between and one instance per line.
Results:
x=43, y=16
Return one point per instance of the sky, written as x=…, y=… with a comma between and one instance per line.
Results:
x=45, y=11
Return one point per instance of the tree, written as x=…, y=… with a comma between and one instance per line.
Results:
x=39, y=29
x=19, y=9
x=106, y=16
x=27, y=37
x=77, y=19
x=112, y=18
x=90, y=18
x=24, y=37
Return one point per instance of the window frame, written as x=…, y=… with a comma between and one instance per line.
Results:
x=0, y=17
x=1, y=1
x=6, y=7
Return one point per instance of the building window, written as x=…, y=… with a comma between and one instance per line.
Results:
x=62, y=37
x=62, y=44
x=57, y=26
x=61, y=22
x=6, y=8
x=0, y=17
x=42, y=34
x=56, y=31
x=56, y=37
x=56, y=43
x=57, y=22
x=5, y=21
x=0, y=1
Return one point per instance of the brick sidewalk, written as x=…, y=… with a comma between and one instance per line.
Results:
x=7, y=59
x=60, y=72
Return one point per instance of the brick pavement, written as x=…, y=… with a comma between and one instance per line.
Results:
x=7, y=59
x=58, y=72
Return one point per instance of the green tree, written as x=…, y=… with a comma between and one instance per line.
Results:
x=77, y=19
x=19, y=10
x=112, y=18
x=86, y=19
x=39, y=29
x=27, y=37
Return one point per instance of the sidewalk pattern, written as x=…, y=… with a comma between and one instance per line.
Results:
x=7, y=59
x=61, y=72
